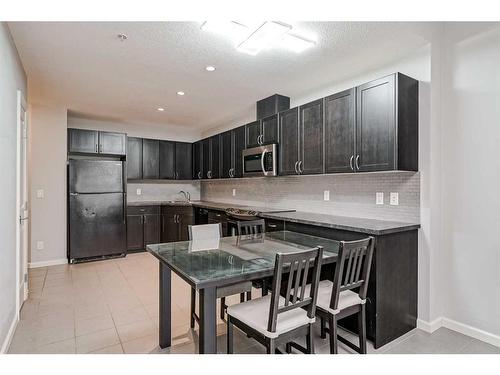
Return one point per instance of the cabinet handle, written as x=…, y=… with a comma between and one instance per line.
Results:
x=96, y=149
x=350, y=162
x=272, y=225
x=300, y=167
x=209, y=174
x=295, y=167
x=145, y=219
x=199, y=175
x=100, y=147
x=357, y=162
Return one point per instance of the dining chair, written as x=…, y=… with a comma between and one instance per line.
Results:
x=346, y=295
x=274, y=320
x=211, y=232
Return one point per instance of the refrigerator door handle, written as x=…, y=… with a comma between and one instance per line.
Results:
x=124, y=209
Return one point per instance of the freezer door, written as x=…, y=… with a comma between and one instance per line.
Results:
x=96, y=225
x=95, y=176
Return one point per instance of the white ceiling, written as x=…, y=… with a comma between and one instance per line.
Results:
x=86, y=67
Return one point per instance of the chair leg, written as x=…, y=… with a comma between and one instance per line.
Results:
x=249, y=295
x=242, y=297
x=229, y=336
x=222, y=307
x=332, y=323
x=323, y=328
x=271, y=346
x=310, y=340
x=288, y=348
x=264, y=287
x=362, y=329
x=193, y=306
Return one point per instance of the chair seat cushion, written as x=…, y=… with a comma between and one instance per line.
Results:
x=255, y=314
x=347, y=298
x=229, y=290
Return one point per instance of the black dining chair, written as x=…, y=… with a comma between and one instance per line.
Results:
x=274, y=320
x=346, y=295
x=210, y=232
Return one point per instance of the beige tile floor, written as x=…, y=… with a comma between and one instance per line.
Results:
x=112, y=307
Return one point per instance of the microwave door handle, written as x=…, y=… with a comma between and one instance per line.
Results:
x=262, y=162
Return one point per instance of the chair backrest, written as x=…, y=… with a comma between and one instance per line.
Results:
x=251, y=227
x=297, y=265
x=205, y=232
x=353, y=268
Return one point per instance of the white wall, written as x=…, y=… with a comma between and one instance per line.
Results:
x=47, y=166
x=12, y=78
x=471, y=177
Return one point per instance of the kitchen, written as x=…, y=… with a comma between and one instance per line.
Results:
x=341, y=161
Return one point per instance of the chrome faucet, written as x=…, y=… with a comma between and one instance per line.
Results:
x=186, y=195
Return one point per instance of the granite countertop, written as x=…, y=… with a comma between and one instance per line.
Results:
x=353, y=224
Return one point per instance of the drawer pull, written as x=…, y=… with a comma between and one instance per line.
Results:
x=272, y=225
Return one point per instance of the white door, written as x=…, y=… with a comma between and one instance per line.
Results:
x=22, y=201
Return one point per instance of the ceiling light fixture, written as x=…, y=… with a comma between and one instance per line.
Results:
x=180, y=93
x=264, y=37
x=296, y=43
x=210, y=68
x=160, y=109
x=251, y=38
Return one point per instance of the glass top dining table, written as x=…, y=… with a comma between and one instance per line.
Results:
x=232, y=259
x=209, y=264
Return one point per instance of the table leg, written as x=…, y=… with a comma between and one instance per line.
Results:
x=208, y=321
x=165, y=306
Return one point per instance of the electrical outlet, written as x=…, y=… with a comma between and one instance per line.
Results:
x=40, y=245
x=40, y=193
x=234, y=192
x=394, y=199
x=379, y=198
x=326, y=195
x=138, y=191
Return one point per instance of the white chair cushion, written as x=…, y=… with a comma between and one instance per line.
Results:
x=255, y=314
x=229, y=290
x=347, y=298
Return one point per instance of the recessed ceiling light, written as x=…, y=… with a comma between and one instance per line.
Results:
x=210, y=68
x=160, y=109
x=122, y=37
x=180, y=93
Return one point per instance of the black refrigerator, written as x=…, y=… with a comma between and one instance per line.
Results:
x=96, y=209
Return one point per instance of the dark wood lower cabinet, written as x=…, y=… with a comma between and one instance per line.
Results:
x=174, y=223
x=143, y=227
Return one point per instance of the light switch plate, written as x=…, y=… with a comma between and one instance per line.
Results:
x=138, y=191
x=40, y=245
x=379, y=198
x=326, y=195
x=234, y=192
x=40, y=193
x=394, y=199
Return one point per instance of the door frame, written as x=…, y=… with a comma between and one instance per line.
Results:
x=21, y=184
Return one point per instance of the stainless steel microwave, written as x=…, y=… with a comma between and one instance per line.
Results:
x=260, y=161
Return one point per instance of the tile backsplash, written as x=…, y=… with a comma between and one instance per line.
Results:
x=349, y=194
x=162, y=191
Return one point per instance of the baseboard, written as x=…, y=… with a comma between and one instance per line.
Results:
x=48, y=263
x=476, y=333
x=10, y=335
x=430, y=327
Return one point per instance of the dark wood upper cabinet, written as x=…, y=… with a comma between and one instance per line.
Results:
x=239, y=146
x=311, y=138
x=83, y=141
x=215, y=156
x=167, y=160
x=134, y=158
x=112, y=143
x=197, y=160
x=387, y=124
x=340, y=131
x=253, y=134
x=206, y=157
x=183, y=160
x=270, y=130
x=150, y=159
x=289, y=141
x=227, y=152
x=272, y=105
